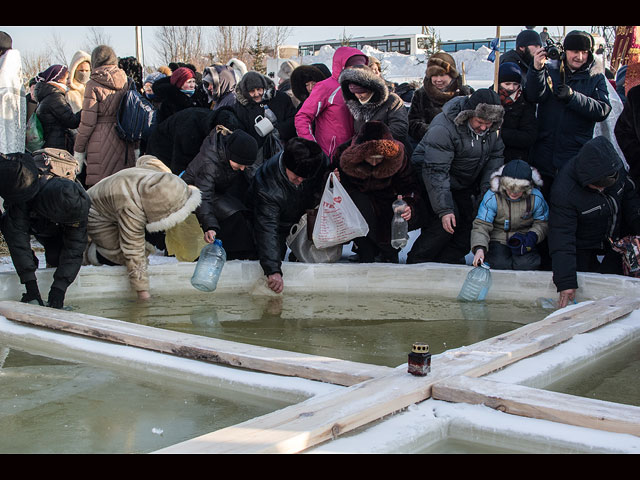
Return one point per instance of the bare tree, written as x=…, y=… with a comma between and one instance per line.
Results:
x=34, y=63
x=96, y=36
x=233, y=42
x=58, y=49
x=182, y=44
x=277, y=36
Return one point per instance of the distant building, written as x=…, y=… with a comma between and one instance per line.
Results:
x=411, y=44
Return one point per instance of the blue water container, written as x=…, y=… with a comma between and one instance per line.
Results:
x=477, y=284
x=207, y=272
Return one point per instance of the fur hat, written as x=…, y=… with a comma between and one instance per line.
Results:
x=303, y=74
x=18, y=177
x=303, y=157
x=242, y=148
x=103, y=55
x=516, y=176
x=579, y=40
x=373, y=138
x=6, y=42
x=441, y=63
x=483, y=103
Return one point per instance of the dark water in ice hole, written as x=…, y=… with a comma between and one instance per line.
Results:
x=371, y=328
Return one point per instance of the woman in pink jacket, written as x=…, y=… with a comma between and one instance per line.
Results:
x=324, y=117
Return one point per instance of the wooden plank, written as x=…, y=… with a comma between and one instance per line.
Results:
x=302, y=426
x=541, y=404
x=281, y=362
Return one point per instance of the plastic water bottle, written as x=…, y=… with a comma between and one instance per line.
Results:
x=399, y=226
x=268, y=113
x=207, y=272
x=477, y=284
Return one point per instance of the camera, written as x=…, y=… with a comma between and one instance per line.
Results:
x=553, y=50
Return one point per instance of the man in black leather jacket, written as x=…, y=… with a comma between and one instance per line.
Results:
x=283, y=188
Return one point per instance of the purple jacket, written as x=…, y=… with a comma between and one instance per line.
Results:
x=324, y=117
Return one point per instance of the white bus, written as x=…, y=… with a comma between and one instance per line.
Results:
x=412, y=44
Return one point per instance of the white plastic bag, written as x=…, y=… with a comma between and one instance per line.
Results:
x=339, y=221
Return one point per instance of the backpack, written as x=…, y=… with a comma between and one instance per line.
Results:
x=136, y=115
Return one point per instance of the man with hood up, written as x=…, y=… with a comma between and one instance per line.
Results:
x=593, y=201
x=324, y=116
x=54, y=210
x=456, y=157
x=572, y=96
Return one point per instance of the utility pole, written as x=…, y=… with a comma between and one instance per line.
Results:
x=139, y=55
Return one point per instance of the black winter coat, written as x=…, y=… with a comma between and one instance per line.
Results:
x=563, y=128
x=58, y=222
x=277, y=205
x=211, y=172
x=173, y=100
x=177, y=140
x=627, y=132
x=56, y=116
x=519, y=129
x=581, y=218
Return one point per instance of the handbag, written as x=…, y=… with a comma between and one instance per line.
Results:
x=304, y=249
x=339, y=221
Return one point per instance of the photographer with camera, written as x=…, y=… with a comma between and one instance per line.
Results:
x=572, y=96
x=527, y=43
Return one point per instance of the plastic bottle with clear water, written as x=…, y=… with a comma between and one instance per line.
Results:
x=399, y=226
x=207, y=272
x=477, y=284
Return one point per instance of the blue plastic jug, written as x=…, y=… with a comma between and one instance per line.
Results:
x=207, y=272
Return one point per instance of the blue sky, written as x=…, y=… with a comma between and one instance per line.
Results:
x=35, y=39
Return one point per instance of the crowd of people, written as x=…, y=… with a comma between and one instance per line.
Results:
x=511, y=174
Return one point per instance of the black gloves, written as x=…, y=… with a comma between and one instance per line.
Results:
x=563, y=92
x=56, y=298
x=33, y=294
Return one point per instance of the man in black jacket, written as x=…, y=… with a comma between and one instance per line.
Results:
x=283, y=188
x=593, y=201
x=55, y=211
x=219, y=171
x=572, y=96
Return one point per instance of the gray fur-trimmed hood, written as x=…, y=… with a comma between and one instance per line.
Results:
x=366, y=78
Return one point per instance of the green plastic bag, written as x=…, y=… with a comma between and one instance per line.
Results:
x=35, y=134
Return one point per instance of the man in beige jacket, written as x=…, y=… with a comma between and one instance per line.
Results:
x=129, y=204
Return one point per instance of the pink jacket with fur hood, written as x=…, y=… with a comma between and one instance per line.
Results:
x=324, y=117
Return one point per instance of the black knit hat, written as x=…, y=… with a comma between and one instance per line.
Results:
x=509, y=72
x=528, y=37
x=242, y=148
x=302, y=157
x=18, y=177
x=518, y=169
